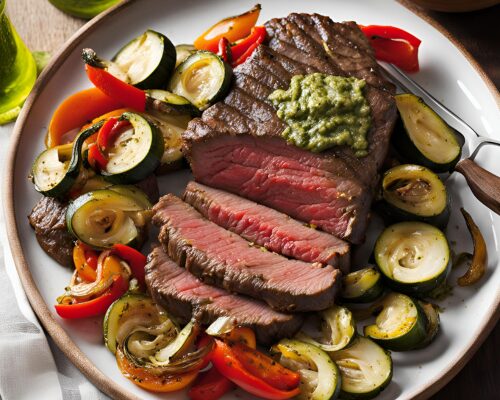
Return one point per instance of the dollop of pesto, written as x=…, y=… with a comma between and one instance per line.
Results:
x=322, y=111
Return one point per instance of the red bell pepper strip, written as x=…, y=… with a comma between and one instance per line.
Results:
x=109, y=132
x=265, y=368
x=389, y=32
x=225, y=50
x=96, y=159
x=228, y=365
x=232, y=28
x=257, y=34
x=135, y=259
x=115, y=88
x=394, y=45
x=210, y=385
x=97, y=306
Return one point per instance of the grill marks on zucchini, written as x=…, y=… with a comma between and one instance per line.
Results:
x=424, y=138
x=413, y=192
x=414, y=257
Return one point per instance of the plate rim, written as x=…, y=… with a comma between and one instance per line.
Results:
x=57, y=332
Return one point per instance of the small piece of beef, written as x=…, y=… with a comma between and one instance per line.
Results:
x=149, y=186
x=237, y=145
x=48, y=219
x=222, y=258
x=266, y=227
x=183, y=296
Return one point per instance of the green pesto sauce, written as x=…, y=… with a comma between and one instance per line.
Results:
x=322, y=111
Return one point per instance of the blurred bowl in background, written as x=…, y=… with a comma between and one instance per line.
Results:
x=455, y=5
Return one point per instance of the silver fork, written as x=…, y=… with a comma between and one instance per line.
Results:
x=484, y=184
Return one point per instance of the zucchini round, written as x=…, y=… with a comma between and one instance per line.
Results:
x=362, y=286
x=414, y=257
x=183, y=52
x=178, y=346
x=365, y=367
x=412, y=192
x=105, y=217
x=400, y=325
x=169, y=103
x=129, y=311
x=320, y=377
x=423, y=137
x=136, y=153
x=332, y=331
x=203, y=78
x=56, y=169
x=147, y=61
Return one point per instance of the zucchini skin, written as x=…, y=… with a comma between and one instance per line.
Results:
x=392, y=214
x=63, y=187
x=161, y=75
x=148, y=164
x=409, y=151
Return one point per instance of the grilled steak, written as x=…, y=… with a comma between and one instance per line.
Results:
x=48, y=218
x=266, y=227
x=183, y=295
x=237, y=146
x=222, y=258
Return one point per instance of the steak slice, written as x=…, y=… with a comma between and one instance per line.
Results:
x=183, y=295
x=237, y=146
x=48, y=219
x=266, y=227
x=222, y=258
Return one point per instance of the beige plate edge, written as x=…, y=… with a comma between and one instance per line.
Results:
x=59, y=335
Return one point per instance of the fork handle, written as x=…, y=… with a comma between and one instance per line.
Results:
x=484, y=184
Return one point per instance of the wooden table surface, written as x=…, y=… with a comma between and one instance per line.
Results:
x=43, y=27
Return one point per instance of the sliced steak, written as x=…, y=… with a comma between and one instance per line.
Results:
x=222, y=258
x=266, y=227
x=237, y=146
x=48, y=219
x=183, y=295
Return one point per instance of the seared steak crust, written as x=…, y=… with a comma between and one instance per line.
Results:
x=222, y=258
x=236, y=144
x=183, y=296
x=266, y=227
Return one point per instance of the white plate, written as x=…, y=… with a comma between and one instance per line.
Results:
x=469, y=314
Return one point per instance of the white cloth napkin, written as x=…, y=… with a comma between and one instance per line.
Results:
x=31, y=366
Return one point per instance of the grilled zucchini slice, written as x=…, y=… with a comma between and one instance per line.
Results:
x=56, y=170
x=136, y=153
x=203, y=78
x=332, y=331
x=423, y=137
x=365, y=367
x=169, y=103
x=414, y=257
x=183, y=52
x=401, y=324
x=147, y=61
x=320, y=377
x=362, y=286
x=412, y=192
x=105, y=217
